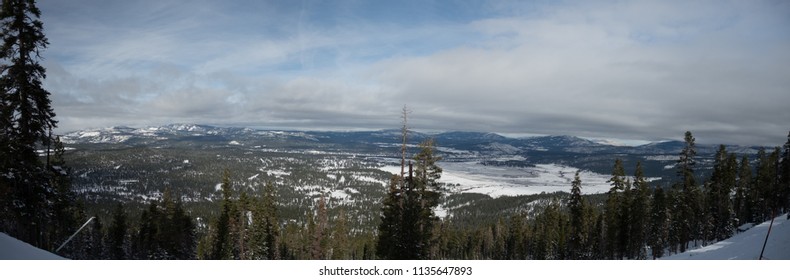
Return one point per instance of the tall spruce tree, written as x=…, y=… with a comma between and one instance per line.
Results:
x=222, y=246
x=578, y=245
x=638, y=215
x=407, y=226
x=719, y=205
x=116, y=234
x=26, y=117
x=612, y=209
x=266, y=226
x=340, y=239
x=659, y=224
x=784, y=173
x=744, y=199
x=687, y=199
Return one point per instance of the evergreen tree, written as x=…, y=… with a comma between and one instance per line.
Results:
x=516, y=239
x=222, y=247
x=687, y=200
x=745, y=198
x=638, y=216
x=407, y=221
x=63, y=204
x=784, y=174
x=765, y=184
x=340, y=242
x=659, y=224
x=116, y=234
x=270, y=223
x=550, y=235
x=578, y=243
x=612, y=212
x=26, y=116
x=320, y=242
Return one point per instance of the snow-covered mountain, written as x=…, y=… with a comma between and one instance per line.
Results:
x=129, y=135
x=747, y=245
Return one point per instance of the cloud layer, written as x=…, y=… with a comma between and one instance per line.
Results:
x=646, y=70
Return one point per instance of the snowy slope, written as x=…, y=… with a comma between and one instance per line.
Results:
x=13, y=249
x=747, y=245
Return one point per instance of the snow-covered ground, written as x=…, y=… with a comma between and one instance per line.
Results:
x=496, y=181
x=14, y=249
x=746, y=245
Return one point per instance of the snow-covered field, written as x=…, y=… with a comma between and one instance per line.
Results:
x=746, y=245
x=496, y=181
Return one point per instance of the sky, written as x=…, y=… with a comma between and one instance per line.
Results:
x=631, y=70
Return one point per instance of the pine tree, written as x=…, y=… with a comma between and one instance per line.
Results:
x=26, y=117
x=63, y=204
x=266, y=227
x=784, y=174
x=612, y=211
x=116, y=234
x=687, y=199
x=659, y=224
x=578, y=244
x=745, y=199
x=765, y=184
x=320, y=242
x=719, y=205
x=638, y=215
x=407, y=226
x=340, y=238
x=222, y=247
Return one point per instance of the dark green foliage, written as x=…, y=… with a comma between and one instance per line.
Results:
x=165, y=232
x=784, y=177
x=686, y=200
x=580, y=223
x=638, y=216
x=719, y=204
x=658, y=238
x=550, y=234
x=266, y=226
x=407, y=220
x=34, y=197
x=613, y=215
x=221, y=245
x=117, y=241
x=745, y=197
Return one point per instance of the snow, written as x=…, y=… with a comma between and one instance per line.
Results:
x=90, y=134
x=14, y=249
x=278, y=173
x=253, y=176
x=746, y=245
x=496, y=181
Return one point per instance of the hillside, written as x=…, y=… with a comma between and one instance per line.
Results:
x=746, y=245
x=13, y=249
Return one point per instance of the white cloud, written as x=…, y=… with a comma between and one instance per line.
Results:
x=632, y=70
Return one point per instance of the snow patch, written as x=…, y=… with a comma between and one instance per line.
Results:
x=746, y=245
x=14, y=249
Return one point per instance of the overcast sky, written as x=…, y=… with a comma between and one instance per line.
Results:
x=644, y=70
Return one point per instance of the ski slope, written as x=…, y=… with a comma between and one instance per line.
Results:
x=746, y=245
x=14, y=249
